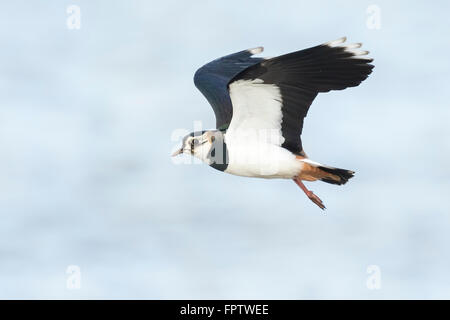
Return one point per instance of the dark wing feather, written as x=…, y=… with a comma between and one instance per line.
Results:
x=213, y=78
x=303, y=74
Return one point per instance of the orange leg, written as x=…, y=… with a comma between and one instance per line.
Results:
x=309, y=194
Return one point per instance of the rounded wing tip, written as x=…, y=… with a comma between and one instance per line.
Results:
x=336, y=42
x=256, y=50
x=352, y=48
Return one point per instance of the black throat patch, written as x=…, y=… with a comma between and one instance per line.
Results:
x=219, y=152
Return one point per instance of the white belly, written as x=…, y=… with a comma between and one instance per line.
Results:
x=262, y=160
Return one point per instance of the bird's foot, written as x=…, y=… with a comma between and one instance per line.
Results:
x=315, y=199
x=310, y=194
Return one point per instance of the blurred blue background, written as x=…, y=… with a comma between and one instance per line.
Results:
x=86, y=124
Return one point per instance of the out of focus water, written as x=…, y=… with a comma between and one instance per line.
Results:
x=86, y=118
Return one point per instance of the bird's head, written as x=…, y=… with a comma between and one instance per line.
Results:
x=203, y=145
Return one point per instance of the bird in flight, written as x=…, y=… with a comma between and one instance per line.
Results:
x=260, y=105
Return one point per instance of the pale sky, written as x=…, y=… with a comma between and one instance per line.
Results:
x=86, y=120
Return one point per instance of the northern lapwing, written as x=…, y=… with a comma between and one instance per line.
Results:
x=260, y=104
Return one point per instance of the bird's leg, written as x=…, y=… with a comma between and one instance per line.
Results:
x=309, y=194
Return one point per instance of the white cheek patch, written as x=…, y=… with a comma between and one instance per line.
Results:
x=202, y=152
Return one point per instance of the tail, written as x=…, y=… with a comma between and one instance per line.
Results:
x=313, y=171
x=336, y=175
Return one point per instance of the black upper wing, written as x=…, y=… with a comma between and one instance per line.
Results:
x=303, y=74
x=213, y=78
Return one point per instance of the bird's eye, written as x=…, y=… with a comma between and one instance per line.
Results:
x=194, y=142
